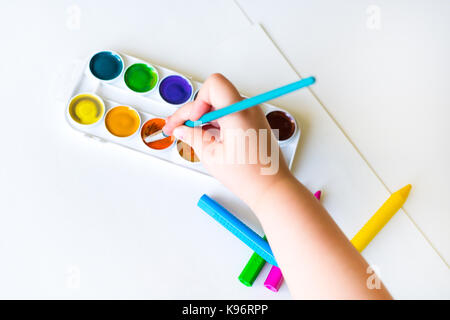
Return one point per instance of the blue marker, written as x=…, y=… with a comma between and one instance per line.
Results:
x=238, y=228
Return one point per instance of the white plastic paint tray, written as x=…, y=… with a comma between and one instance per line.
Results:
x=151, y=105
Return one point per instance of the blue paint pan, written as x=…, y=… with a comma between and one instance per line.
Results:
x=106, y=65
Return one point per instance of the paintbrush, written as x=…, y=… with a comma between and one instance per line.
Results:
x=156, y=136
x=239, y=106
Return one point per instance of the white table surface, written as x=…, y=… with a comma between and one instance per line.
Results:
x=82, y=219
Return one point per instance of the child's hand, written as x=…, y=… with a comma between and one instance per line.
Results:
x=244, y=168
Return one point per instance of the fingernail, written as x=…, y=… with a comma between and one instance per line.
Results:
x=178, y=133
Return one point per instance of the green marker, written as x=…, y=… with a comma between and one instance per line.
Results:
x=252, y=269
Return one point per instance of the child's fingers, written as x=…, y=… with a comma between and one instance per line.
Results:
x=200, y=108
x=178, y=118
x=190, y=111
x=218, y=92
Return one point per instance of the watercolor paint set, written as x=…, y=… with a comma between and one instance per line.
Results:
x=122, y=99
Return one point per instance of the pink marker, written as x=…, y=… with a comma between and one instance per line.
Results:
x=275, y=278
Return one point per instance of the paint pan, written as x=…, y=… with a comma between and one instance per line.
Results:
x=284, y=122
x=150, y=127
x=122, y=121
x=105, y=116
x=175, y=89
x=106, y=65
x=141, y=77
x=86, y=109
x=186, y=152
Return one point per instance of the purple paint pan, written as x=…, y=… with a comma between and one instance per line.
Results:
x=175, y=89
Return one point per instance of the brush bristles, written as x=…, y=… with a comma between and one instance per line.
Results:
x=158, y=135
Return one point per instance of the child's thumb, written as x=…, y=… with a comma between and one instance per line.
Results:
x=196, y=137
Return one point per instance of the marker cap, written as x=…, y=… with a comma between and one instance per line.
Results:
x=274, y=279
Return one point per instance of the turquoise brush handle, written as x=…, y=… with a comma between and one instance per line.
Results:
x=250, y=102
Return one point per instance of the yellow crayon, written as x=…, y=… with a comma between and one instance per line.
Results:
x=380, y=218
